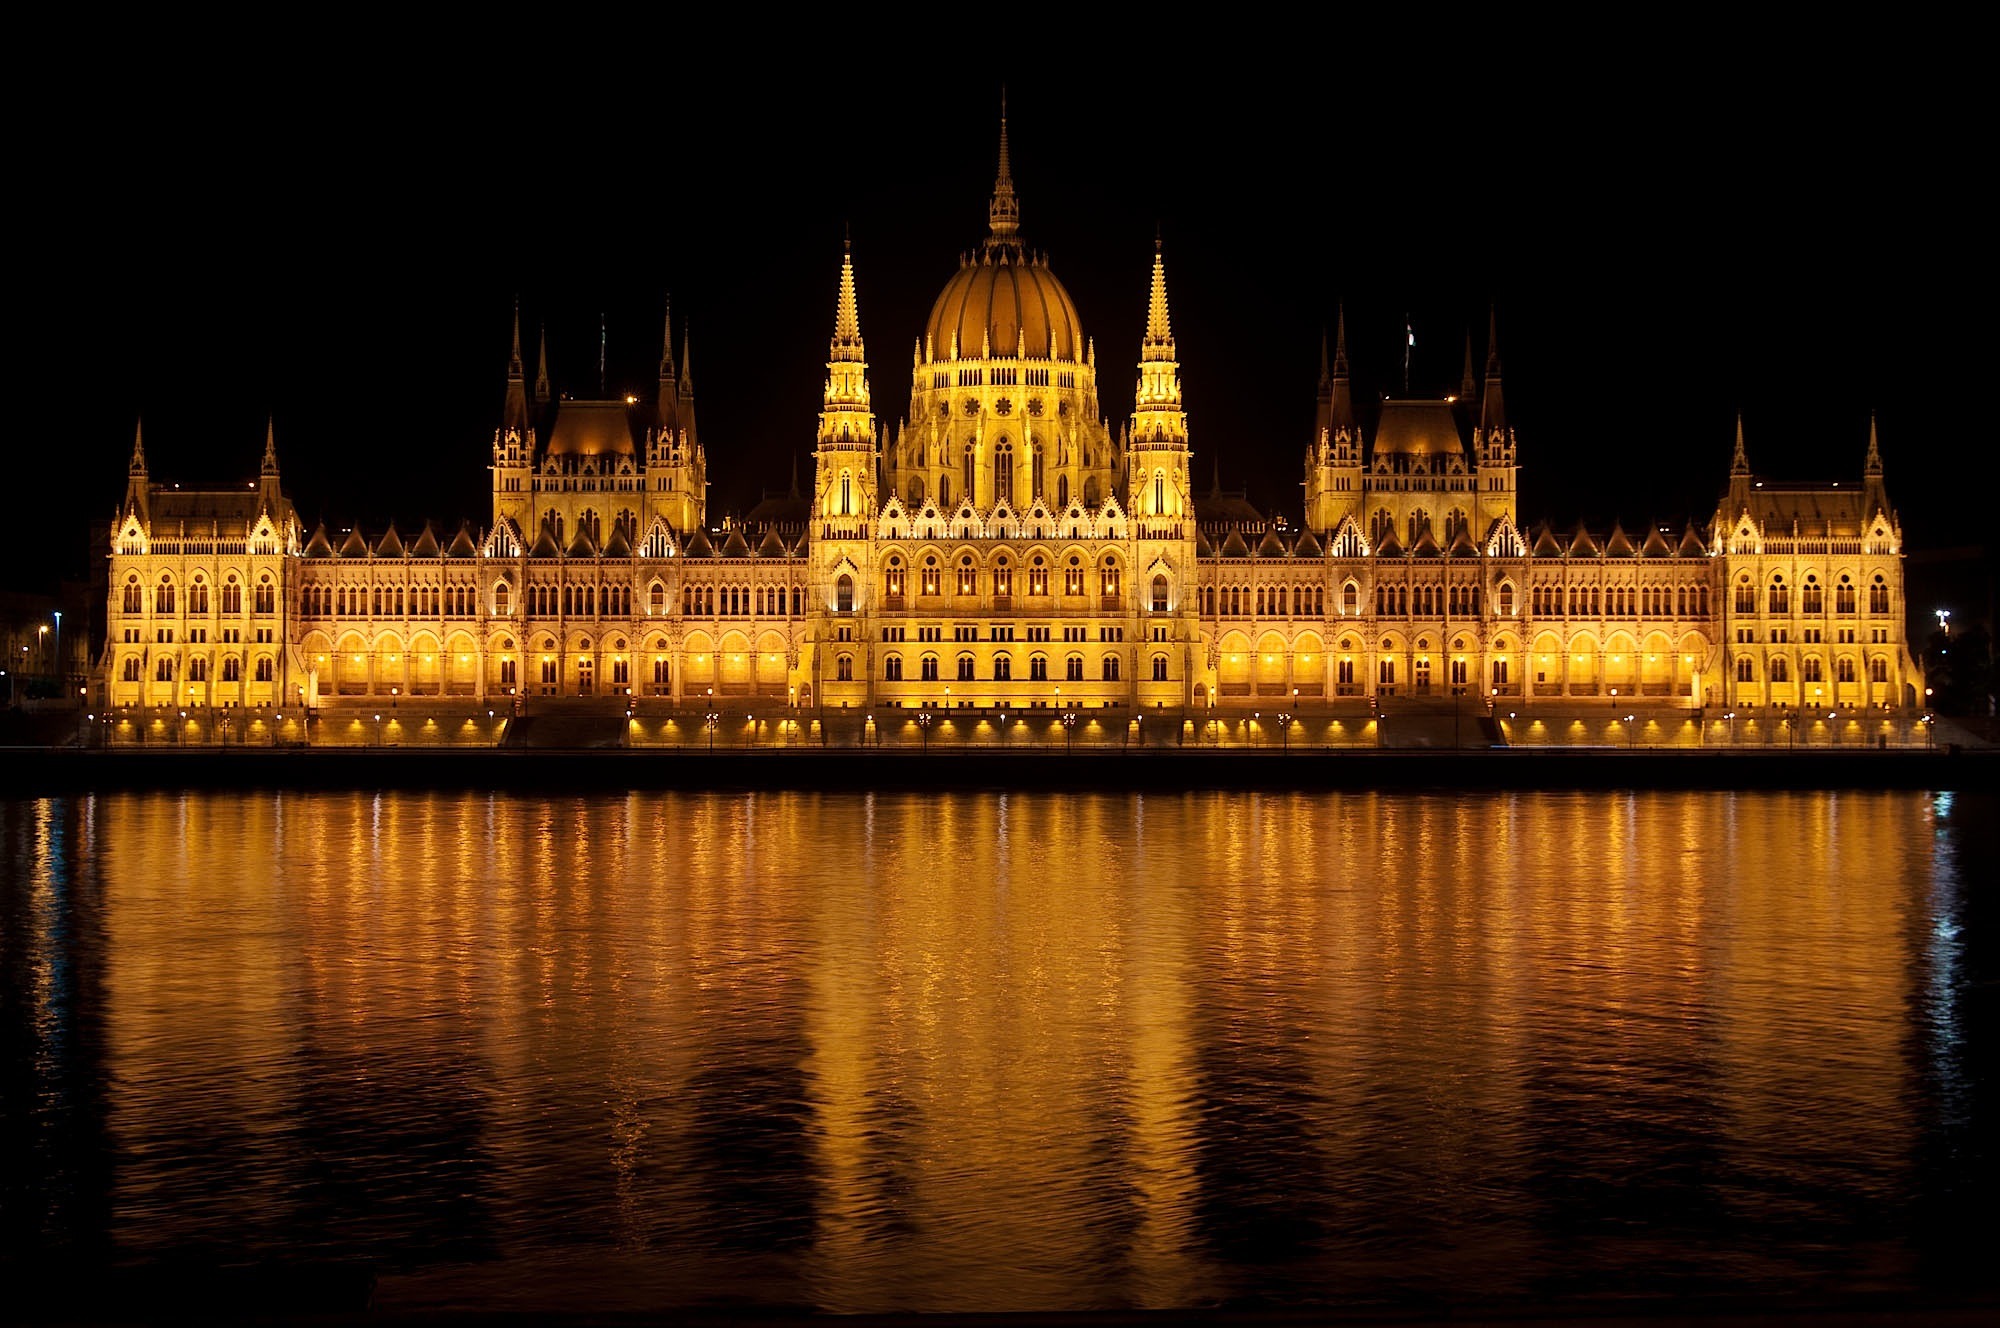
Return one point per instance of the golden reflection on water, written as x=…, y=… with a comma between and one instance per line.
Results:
x=997, y=1050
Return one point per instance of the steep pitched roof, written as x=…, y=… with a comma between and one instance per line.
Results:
x=462, y=544
x=319, y=546
x=426, y=545
x=354, y=546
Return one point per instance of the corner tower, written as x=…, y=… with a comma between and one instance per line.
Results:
x=1333, y=459
x=1493, y=442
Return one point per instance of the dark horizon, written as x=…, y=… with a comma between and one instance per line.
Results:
x=1658, y=265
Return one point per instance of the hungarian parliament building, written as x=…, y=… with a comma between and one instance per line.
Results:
x=1007, y=548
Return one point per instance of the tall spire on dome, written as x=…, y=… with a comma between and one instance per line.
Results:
x=1003, y=214
x=1493, y=410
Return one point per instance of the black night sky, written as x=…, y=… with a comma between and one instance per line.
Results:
x=338, y=240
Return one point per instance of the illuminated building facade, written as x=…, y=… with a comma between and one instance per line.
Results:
x=1006, y=549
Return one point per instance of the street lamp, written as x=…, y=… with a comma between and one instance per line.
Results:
x=1284, y=732
x=59, y=653
x=924, y=728
x=710, y=720
x=1944, y=620
x=1069, y=724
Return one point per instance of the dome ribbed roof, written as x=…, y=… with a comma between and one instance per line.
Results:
x=1011, y=301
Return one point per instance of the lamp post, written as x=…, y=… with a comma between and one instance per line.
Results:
x=924, y=729
x=60, y=673
x=709, y=721
x=378, y=730
x=1944, y=620
x=1628, y=732
x=492, y=731
x=1069, y=724
x=1284, y=733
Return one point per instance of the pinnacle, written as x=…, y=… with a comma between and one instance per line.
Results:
x=1158, y=329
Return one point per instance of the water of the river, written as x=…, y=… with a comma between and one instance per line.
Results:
x=1006, y=1051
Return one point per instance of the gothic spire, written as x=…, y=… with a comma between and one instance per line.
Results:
x=847, y=313
x=668, y=408
x=1467, y=388
x=1340, y=400
x=1873, y=466
x=1325, y=375
x=514, y=417
x=270, y=446
x=1493, y=411
x=138, y=466
x=542, y=392
x=687, y=360
x=1003, y=214
x=1159, y=332
x=1739, y=464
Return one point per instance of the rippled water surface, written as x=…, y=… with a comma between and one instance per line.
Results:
x=1005, y=1051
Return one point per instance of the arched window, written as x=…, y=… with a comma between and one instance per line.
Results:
x=915, y=491
x=846, y=493
x=1813, y=601
x=1107, y=579
x=965, y=668
x=1159, y=492
x=1159, y=668
x=1843, y=596
x=1038, y=576
x=133, y=599
x=933, y=575
x=966, y=472
x=843, y=594
x=198, y=597
x=197, y=669
x=656, y=598
x=1038, y=668
x=1111, y=668
x=968, y=579
x=930, y=668
x=1073, y=576
x=163, y=670
x=1746, y=597
x=1159, y=592
x=1878, y=599
x=1035, y=471
x=1062, y=491
x=1780, y=599
x=502, y=599
x=232, y=669
x=1380, y=525
x=1506, y=599
x=1073, y=669
x=1810, y=670
x=263, y=668
x=267, y=596
x=1844, y=668
x=1780, y=671
x=843, y=669
x=892, y=578
x=944, y=491
x=1420, y=521
x=163, y=600
x=1878, y=669
x=892, y=669
x=131, y=671
x=1350, y=598
x=1746, y=669
x=1003, y=471
x=1003, y=668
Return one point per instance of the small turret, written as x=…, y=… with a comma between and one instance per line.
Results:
x=1875, y=495
x=668, y=411
x=1739, y=473
x=269, y=498
x=514, y=418
x=1493, y=409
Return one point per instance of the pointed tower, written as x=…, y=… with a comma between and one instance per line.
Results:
x=1739, y=475
x=514, y=440
x=514, y=417
x=1493, y=441
x=844, y=483
x=687, y=386
x=846, y=467
x=138, y=484
x=1875, y=495
x=1158, y=484
x=1333, y=457
x=676, y=476
x=269, y=498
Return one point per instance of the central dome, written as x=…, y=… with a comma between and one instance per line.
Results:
x=1005, y=303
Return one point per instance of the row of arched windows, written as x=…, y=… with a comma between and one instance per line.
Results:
x=1812, y=669
x=230, y=599
x=1577, y=601
x=1260, y=601
x=1003, y=668
x=197, y=670
x=706, y=601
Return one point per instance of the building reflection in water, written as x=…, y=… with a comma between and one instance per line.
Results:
x=873, y=1052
